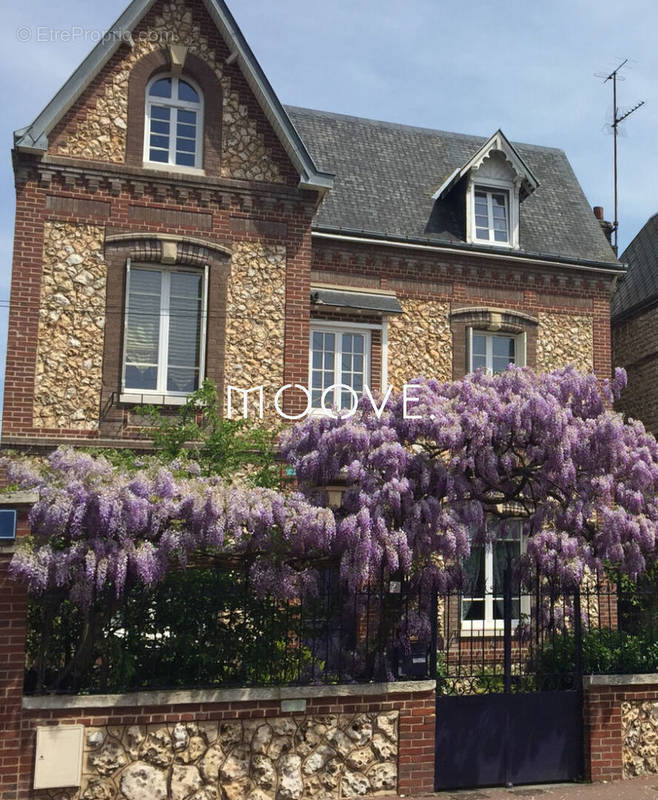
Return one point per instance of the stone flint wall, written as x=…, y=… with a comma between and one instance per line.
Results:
x=348, y=741
x=71, y=327
x=332, y=756
x=255, y=322
x=564, y=339
x=420, y=342
x=639, y=721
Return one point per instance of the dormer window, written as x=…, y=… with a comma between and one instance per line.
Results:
x=491, y=209
x=174, y=122
x=494, y=183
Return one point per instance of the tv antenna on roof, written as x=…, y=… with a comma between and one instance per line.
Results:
x=617, y=117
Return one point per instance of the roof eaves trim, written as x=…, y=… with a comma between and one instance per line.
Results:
x=310, y=176
x=419, y=243
x=35, y=136
x=496, y=142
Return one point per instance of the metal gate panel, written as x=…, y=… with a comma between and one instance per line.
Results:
x=497, y=739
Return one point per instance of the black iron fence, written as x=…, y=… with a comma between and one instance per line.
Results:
x=538, y=636
x=208, y=627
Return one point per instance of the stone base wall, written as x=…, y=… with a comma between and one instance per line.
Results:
x=621, y=726
x=312, y=743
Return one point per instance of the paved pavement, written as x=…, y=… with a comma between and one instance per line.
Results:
x=635, y=789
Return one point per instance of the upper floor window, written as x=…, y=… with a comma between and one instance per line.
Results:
x=164, y=330
x=491, y=215
x=494, y=351
x=338, y=357
x=174, y=122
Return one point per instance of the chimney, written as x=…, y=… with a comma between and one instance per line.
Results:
x=605, y=225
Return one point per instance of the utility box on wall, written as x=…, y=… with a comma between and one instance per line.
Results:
x=58, y=762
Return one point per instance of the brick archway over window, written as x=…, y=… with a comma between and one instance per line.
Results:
x=149, y=248
x=143, y=71
x=503, y=320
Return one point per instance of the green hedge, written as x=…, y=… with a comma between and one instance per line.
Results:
x=605, y=652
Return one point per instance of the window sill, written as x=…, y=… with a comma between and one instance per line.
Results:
x=136, y=399
x=494, y=245
x=173, y=168
x=490, y=631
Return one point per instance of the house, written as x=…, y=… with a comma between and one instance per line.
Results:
x=265, y=245
x=634, y=328
x=175, y=221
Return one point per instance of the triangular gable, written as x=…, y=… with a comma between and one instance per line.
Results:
x=497, y=143
x=35, y=136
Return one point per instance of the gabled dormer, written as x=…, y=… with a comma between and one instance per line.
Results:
x=493, y=184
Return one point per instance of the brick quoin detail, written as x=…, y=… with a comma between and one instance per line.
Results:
x=13, y=626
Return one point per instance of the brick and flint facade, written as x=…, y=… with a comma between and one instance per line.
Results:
x=299, y=223
x=271, y=233
x=635, y=326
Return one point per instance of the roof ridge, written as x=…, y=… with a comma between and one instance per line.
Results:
x=476, y=138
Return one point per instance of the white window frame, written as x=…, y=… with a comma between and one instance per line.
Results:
x=161, y=395
x=497, y=186
x=520, y=345
x=322, y=326
x=489, y=193
x=488, y=626
x=149, y=101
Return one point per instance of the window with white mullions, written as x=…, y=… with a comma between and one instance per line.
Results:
x=493, y=351
x=482, y=604
x=491, y=216
x=338, y=357
x=352, y=366
x=173, y=122
x=164, y=331
x=323, y=357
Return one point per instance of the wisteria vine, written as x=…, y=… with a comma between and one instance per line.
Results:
x=96, y=527
x=417, y=492
x=546, y=448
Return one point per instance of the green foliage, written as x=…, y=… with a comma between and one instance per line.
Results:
x=198, y=433
x=200, y=627
x=605, y=652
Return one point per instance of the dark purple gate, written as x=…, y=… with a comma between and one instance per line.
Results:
x=509, y=687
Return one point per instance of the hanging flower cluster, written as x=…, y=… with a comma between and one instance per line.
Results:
x=95, y=526
x=422, y=480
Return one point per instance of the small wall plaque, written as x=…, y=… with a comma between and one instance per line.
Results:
x=293, y=705
x=7, y=524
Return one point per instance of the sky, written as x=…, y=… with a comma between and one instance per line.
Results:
x=532, y=69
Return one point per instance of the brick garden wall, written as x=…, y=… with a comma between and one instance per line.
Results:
x=348, y=741
x=621, y=722
x=341, y=741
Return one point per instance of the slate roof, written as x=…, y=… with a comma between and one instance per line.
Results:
x=386, y=174
x=639, y=287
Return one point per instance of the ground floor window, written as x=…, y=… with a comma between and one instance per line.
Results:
x=483, y=596
x=339, y=358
